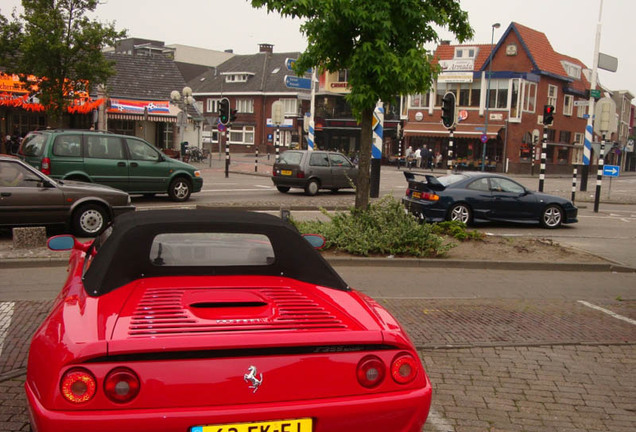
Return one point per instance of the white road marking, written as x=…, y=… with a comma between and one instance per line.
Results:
x=6, y=314
x=609, y=312
x=438, y=422
x=204, y=191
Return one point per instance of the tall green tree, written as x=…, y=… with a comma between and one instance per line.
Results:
x=55, y=41
x=382, y=45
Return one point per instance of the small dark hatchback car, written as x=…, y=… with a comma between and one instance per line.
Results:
x=313, y=170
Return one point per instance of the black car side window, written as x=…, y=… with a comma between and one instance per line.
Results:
x=479, y=184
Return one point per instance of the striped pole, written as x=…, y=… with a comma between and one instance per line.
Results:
x=599, y=175
x=376, y=150
x=544, y=148
x=574, y=172
x=277, y=143
x=310, y=137
x=227, y=155
x=449, y=161
x=400, y=141
x=256, y=161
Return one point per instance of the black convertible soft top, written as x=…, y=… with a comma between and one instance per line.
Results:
x=124, y=255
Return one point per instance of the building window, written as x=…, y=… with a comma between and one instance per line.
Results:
x=568, y=105
x=244, y=135
x=343, y=75
x=236, y=78
x=530, y=99
x=419, y=100
x=212, y=105
x=553, y=93
x=290, y=106
x=498, y=94
x=245, y=106
x=578, y=138
x=565, y=136
x=581, y=110
x=465, y=52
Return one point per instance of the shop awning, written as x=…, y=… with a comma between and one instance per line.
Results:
x=466, y=130
x=140, y=117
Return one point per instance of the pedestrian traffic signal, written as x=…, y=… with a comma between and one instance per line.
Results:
x=548, y=115
x=224, y=111
x=448, y=110
x=233, y=115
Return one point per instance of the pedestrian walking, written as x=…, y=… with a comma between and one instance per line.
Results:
x=418, y=157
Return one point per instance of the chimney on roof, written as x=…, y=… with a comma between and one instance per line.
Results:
x=445, y=42
x=229, y=51
x=266, y=48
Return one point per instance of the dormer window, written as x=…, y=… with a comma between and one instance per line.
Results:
x=573, y=71
x=465, y=53
x=236, y=77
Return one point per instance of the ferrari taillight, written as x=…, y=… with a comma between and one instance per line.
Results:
x=78, y=385
x=46, y=166
x=121, y=385
x=404, y=368
x=370, y=371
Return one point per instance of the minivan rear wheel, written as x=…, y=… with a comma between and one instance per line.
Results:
x=180, y=189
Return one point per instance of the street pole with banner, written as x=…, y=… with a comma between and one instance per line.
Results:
x=278, y=117
x=604, y=125
x=376, y=150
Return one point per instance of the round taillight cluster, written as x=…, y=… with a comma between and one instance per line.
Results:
x=404, y=368
x=78, y=385
x=371, y=370
x=121, y=385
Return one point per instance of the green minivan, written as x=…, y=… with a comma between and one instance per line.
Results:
x=120, y=161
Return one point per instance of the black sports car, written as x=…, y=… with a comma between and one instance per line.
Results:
x=476, y=196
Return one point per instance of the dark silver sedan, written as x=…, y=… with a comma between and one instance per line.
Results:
x=30, y=198
x=313, y=170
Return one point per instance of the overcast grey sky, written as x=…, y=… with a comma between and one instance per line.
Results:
x=570, y=25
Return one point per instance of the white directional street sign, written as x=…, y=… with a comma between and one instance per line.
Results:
x=611, y=170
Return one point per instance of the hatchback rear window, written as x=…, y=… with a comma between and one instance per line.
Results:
x=290, y=157
x=33, y=144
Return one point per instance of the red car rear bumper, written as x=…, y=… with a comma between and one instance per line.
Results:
x=396, y=412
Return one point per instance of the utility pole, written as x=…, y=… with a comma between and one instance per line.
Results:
x=589, y=132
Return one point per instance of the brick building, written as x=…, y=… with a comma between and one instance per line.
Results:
x=526, y=75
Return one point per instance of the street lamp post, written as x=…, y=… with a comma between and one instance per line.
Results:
x=492, y=42
x=182, y=100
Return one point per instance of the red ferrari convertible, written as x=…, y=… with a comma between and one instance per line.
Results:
x=217, y=321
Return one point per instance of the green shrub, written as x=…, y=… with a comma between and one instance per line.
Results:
x=456, y=229
x=384, y=228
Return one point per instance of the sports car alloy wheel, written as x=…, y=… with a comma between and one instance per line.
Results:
x=460, y=212
x=552, y=216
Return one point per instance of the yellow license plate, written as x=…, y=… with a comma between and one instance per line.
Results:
x=296, y=425
x=417, y=194
x=285, y=172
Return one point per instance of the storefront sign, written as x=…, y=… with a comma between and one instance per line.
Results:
x=129, y=106
x=457, y=65
x=454, y=77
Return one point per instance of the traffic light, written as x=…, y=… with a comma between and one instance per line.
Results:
x=448, y=110
x=224, y=111
x=233, y=115
x=548, y=115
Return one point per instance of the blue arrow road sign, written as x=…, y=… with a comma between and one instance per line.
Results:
x=292, y=81
x=611, y=170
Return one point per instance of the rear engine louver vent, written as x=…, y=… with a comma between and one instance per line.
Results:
x=161, y=311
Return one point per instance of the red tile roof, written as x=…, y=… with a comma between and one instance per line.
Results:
x=447, y=52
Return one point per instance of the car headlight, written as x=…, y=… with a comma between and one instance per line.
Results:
x=197, y=173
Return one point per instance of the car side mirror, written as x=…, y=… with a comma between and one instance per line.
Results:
x=66, y=242
x=316, y=240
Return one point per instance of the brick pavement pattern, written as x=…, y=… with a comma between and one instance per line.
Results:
x=495, y=365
